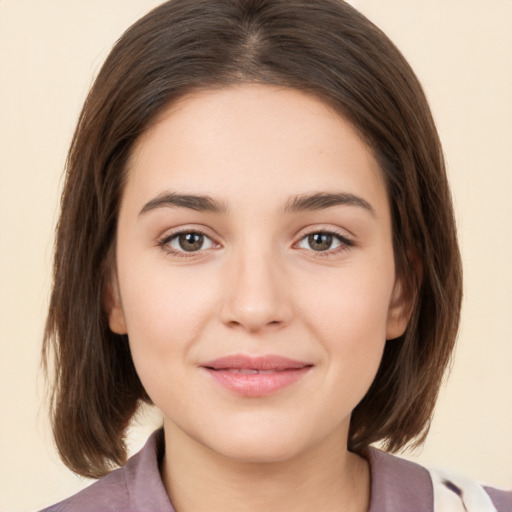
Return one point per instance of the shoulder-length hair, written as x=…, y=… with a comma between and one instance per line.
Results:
x=324, y=48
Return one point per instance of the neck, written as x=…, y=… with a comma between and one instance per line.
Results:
x=327, y=478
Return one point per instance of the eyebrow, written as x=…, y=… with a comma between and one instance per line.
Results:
x=323, y=200
x=193, y=202
x=304, y=202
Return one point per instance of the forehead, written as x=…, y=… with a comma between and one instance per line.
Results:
x=253, y=142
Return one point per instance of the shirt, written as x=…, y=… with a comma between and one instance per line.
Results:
x=397, y=485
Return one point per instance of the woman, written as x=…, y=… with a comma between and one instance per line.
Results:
x=256, y=236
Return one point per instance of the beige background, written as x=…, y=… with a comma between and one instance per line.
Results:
x=462, y=52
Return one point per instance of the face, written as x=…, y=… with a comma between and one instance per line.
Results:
x=255, y=271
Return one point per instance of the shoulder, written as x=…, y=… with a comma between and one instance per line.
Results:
x=398, y=485
x=501, y=499
x=108, y=494
x=134, y=487
x=402, y=485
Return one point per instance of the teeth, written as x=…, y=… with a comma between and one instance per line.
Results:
x=249, y=371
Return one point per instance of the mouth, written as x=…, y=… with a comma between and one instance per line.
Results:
x=256, y=376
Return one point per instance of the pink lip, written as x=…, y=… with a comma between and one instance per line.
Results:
x=255, y=376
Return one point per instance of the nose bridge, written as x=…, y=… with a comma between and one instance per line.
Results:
x=255, y=295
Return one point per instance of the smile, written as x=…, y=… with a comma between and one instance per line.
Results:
x=256, y=376
x=247, y=371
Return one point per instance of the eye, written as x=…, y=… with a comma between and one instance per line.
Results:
x=187, y=241
x=323, y=241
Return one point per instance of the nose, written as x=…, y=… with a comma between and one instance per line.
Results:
x=256, y=295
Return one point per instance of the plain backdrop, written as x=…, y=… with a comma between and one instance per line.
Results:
x=462, y=52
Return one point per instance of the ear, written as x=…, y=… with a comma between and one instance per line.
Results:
x=113, y=307
x=400, y=310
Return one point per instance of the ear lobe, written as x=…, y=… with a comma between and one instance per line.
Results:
x=113, y=308
x=400, y=310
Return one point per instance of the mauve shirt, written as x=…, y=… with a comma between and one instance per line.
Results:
x=397, y=485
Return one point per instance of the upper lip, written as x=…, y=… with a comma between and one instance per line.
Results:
x=266, y=362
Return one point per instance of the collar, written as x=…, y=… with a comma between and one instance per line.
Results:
x=397, y=485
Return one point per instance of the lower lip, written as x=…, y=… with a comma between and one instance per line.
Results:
x=258, y=384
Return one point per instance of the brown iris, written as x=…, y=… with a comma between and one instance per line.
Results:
x=320, y=241
x=191, y=241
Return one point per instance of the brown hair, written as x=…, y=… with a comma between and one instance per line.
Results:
x=324, y=48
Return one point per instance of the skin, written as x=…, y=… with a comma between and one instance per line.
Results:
x=256, y=286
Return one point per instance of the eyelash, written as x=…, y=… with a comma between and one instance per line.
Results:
x=345, y=243
x=167, y=239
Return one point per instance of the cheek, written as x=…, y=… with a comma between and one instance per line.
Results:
x=165, y=314
x=355, y=302
x=349, y=318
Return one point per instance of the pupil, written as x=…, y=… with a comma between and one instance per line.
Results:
x=191, y=241
x=320, y=241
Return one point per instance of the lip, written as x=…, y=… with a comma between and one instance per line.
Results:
x=256, y=376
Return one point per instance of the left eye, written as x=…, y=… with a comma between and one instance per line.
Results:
x=321, y=242
x=189, y=242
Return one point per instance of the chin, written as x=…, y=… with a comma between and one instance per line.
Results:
x=258, y=443
x=261, y=451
